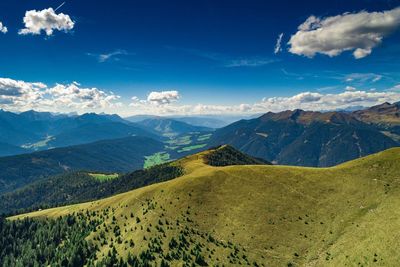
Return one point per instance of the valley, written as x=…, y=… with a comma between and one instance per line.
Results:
x=199, y=133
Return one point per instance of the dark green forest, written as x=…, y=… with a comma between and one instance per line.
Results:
x=227, y=156
x=45, y=242
x=79, y=187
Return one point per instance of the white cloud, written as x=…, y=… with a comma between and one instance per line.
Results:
x=395, y=88
x=350, y=88
x=358, y=32
x=278, y=45
x=3, y=28
x=305, y=100
x=73, y=96
x=108, y=56
x=20, y=95
x=326, y=101
x=363, y=77
x=46, y=20
x=163, y=97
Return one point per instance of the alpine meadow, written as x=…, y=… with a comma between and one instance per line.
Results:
x=199, y=133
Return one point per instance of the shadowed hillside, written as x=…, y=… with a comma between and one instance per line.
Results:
x=117, y=155
x=75, y=187
x=258, y=215
x=170, y=127
x=304, y=138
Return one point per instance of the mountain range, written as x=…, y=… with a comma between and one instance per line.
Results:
x=169, y=127
x=301, y=138
x=33, y=130
x=307, y=138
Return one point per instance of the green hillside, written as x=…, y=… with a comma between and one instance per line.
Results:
x=77, y=187
x=116, y=155
x=258, y=215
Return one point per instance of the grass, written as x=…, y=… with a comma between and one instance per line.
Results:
x=156, y=159
x=346, y=215
x=104, y=177
x=190, y=148
x=204, y=137
x=180, y=141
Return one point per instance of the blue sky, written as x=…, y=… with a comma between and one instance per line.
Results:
x=216, y=55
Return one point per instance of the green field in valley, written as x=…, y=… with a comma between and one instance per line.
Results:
x=190, y=148
x=155, y=159
x=204, y=137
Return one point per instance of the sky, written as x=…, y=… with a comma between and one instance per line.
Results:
x=198, y=57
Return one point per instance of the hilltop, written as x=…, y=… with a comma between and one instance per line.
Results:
x=251, y=214
x=80, y=186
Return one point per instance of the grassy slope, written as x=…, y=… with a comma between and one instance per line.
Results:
x=339, y=216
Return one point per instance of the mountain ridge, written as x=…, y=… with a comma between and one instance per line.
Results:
x=73, y=187
x=116, y=155
x=304, y=138
x=237, y=214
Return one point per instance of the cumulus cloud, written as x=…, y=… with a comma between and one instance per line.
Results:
x=73, y=96
x=163, y=97
x=358, y=32
x=306, y=100
x=46, y=20
x=327, y=101
x=278, y=45
x=20, y=95
x=3, y=28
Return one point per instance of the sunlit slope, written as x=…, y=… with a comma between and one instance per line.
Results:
x=347, y=215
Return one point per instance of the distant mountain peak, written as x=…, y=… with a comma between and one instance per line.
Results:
x=385, y=113
x=307, y=117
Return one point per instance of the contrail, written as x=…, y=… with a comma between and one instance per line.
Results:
x=59, y=7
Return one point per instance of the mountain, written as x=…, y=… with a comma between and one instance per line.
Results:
x=138, y=118
x=33, y=131
x=117, y=155
x=8, y=150
x=304, y=138
x=170, y=127
x=209, y=121
x=15, y=130
x=257, y=215
x=92, y=131
x=75, y=187
x=383, y=114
